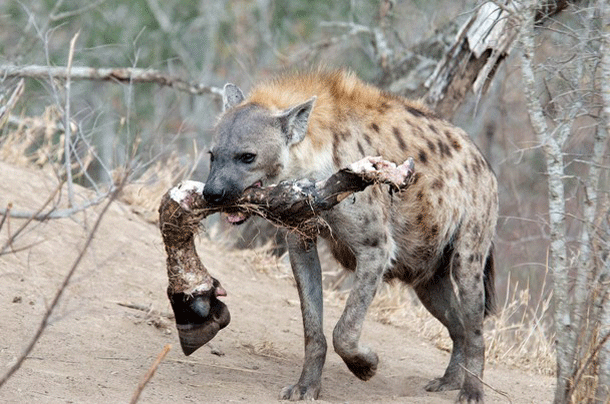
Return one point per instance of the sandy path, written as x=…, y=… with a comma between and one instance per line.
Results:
x=95, y=351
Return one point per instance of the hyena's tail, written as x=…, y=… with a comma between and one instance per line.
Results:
x=489, y=280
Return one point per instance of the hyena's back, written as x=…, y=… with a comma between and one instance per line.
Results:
x=454, y=195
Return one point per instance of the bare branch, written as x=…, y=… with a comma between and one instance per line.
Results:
x=120, y=75
x=68, y=14
x=68, y=126
x=150, y=374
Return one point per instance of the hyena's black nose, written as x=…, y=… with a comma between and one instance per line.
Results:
x=213, y=196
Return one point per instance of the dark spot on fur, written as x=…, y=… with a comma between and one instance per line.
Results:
x=418, y=131
x=471, y=258
x=434, y=230
x=383, y=108
x=444, y=149
x=367, y=139
x=478, y=332
x=433, y=128
x=399, y=139
x=371, y=241
x=440, y=200
x=419, y=113
x=360, y=149
x=476, y=229
x=431, y=146
x=365, y=220
x=460, y=178
x=416, y=177
x=437, y=184
x=466, y=168
x=423, y=157
x=420, y=195
x=456, y=145
x=420, y=218
x=375, y=127
x=345, y=135
x=336, y=157
x=477, y=277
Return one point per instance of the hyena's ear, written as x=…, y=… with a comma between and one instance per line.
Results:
x=231, y=96
x=294, y=121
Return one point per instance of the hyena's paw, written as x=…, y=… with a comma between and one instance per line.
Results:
x=363, y=364
x=444, y=383
x=470, y=397
x=472, y=392
x=299, y=392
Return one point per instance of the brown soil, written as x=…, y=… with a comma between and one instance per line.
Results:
x=95, y=350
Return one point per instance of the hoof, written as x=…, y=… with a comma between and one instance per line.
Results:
x=198, y=318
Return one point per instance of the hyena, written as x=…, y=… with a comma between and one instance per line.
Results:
x=435, y=236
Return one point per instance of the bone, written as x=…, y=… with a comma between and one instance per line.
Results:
x=192, y=291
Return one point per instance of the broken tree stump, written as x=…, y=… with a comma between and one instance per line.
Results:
x=192, y=291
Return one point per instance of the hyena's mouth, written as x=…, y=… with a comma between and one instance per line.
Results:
x=237, y=218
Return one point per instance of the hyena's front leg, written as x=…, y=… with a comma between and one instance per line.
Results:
x=373, y=254
x=308, y=275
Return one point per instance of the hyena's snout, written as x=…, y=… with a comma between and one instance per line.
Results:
x=220, y=191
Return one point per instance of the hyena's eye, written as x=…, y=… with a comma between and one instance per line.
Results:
x=211, y=156
x=246, y=158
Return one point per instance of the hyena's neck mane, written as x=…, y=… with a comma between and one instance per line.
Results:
x=340, y=95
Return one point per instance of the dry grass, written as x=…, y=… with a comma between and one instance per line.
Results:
x=36, y=141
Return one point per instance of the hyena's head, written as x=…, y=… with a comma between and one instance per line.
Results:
x=251, y=145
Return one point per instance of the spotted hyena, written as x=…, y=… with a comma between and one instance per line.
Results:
x=436, y=236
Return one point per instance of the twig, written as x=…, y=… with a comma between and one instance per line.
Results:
x=68, y=126
x=6, y=213
x=53, y=213
x=500, y=392
x=9, y=212
x=219, y=366
x=146, y=309
x=59, y=293
x=150, y=374
x=68, y=14
x=120, y=75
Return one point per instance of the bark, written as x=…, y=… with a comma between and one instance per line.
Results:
x=470, y=61
x=192, y=291
x=121, y=75
x=603, y=392
x=557, y=250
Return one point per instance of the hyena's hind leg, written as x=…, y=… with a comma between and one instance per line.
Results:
x=460, y=296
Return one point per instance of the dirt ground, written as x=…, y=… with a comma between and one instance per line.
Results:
x=95, y=350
